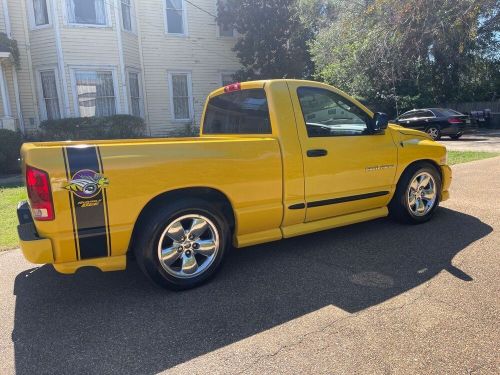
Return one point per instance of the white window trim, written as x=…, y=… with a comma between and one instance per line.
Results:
x=184, y=20
x=223, y=72
x=218, y=35
x=31, y=15
x=66, y=18
x=141, y=103
x=132, y=18
x=94, y=68
x=190, y=95
x=41, y=99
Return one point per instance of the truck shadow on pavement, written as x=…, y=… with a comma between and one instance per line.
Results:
x=95, y=322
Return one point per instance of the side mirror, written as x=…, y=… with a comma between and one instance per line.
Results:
x=379, y=122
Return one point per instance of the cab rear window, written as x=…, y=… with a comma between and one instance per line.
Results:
x=238, y=112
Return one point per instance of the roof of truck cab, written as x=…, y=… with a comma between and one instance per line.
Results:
x=258, y=84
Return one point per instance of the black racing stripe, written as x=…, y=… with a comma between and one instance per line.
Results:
x=347, y=199
x=75, y=235
x=105, y=201
x=90, y=221
x=108, y=232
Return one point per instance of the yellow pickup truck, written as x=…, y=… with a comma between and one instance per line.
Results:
x=275, y=159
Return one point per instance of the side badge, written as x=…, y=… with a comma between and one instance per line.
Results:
x=87, y=183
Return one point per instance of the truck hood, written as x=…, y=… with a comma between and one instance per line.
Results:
x=406, y=133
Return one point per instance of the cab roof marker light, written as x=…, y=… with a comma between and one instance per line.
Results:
x=232, y=87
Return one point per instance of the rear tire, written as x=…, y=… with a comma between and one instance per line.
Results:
x=417, y=195
x=181, y=245
x=434, y=132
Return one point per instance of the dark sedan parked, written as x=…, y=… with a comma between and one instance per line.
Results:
x=436, y=122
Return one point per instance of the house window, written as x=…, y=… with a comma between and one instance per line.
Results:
x=95, y=93
x=87, y=12
x=225, y=30
x=176, y=17
x=135, y=94
x=126, y=15
x=180, y=94
x=50, y=95
x=40, y=13
x=226, y=78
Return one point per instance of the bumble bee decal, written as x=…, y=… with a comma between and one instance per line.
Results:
x=87, y=183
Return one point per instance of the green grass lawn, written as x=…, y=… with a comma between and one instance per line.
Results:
x=10, y=196
x=457, y=157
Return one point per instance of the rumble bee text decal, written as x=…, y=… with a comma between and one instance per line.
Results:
x=87, y=183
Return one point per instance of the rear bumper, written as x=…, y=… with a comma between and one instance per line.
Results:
x=446, y=182
x=457, y=129
x=35, y=249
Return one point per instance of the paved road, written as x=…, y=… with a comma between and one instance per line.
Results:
x=482, y=140
x=374, y=298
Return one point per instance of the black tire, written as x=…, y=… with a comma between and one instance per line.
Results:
x=150, y=232
x=456, y=136
x=399, y=208
x=434, y=131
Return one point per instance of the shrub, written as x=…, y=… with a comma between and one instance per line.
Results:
x=10, y=144
x=85, y=128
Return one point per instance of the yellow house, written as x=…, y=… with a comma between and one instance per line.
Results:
x=157, y=59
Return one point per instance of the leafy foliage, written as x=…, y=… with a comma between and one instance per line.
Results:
x=84, y=128
x=11, y=45
x=405, y=53
x=10, y=145
x=273, y=40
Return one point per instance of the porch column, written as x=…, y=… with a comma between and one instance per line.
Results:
x=4, y=90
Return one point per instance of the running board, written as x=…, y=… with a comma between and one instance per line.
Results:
x=334, y=222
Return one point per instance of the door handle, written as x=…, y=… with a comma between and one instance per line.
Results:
x=316, y=153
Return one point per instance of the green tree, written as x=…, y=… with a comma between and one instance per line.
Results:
x=316, y=14
x=404, y=53
x=273, y=41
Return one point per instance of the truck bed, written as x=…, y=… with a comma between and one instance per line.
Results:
x=246, y=169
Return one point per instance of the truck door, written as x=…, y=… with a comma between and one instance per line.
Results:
x=347, y=168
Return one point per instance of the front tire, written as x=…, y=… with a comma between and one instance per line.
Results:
x=182, y=245
x=417, y=194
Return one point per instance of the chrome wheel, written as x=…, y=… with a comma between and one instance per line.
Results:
x=421, y=194
x=433, y=132
x=188, y=246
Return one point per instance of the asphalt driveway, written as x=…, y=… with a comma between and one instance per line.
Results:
x=374, y=298
x=482, y=140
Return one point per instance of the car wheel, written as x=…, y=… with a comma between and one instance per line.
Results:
x=456, y=136
x=417, y=194
x=434, y=132
x=181, y=245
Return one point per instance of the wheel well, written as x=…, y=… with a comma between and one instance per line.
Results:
x=425, y=161
x=213, y=196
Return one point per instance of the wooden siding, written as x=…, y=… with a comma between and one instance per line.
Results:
x=201, y=52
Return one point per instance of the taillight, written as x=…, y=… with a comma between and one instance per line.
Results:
x=455, y=120
x=40, y=194
x=232, y=87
